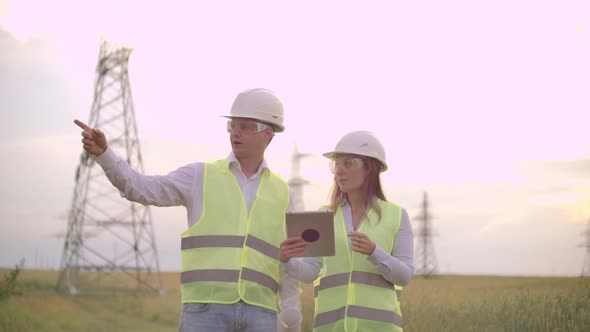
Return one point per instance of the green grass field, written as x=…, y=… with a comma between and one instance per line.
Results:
x=444, y=303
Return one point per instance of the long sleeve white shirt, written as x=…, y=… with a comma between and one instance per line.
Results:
x=184, y=187
x=396, y=267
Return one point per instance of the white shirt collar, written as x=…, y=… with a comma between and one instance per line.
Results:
x=232, y=161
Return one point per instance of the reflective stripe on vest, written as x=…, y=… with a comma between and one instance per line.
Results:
x=231, y=241
x=229, y=276
x=358, y=277
x=229, y=255
x=358, y=312
x=351, y=294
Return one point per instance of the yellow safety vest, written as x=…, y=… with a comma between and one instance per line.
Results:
x=228, y=255
x=351, y=294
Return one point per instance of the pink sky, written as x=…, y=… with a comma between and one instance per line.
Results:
x=485, y=106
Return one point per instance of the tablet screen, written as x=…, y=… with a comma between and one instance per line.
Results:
x=316, y=228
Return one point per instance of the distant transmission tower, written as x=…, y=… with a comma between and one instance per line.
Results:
x=109, y=243
x=425, y=257
x=586, y=266
x=296, y=182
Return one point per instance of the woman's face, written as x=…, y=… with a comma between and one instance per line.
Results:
x=349, y=172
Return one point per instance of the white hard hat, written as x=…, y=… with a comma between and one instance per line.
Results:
x=259, y=104
x=363, y=143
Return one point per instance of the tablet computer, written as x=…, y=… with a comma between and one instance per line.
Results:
x=316, y=228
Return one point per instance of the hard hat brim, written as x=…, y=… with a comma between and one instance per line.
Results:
x=330, y=155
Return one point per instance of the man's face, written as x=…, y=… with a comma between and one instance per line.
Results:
x=248, y=137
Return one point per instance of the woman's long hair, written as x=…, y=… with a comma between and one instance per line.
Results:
x=371, y=187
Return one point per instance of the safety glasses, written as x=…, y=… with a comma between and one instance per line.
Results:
x=346, y=164
x=246, y=127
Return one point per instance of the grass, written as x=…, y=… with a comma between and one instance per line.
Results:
x=461, y=303
x=41, y=308
x=444, y=303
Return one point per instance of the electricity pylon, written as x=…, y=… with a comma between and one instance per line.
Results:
x=296, y=182
x=586, y=266
x=426, y=263
x=109, y=243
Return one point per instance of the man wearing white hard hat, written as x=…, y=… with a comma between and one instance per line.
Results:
x=231, y=279
x=358, y=289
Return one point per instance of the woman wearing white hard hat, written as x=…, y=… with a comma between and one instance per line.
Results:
x=356, y=289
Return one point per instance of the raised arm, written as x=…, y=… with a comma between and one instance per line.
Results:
x=173, y=189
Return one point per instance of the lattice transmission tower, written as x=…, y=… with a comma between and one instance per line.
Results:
x=296, y=182
x=426, y=263
x=586, y=266
x=109, y=243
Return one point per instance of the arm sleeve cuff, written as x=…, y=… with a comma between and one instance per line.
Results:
x=108, y=159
